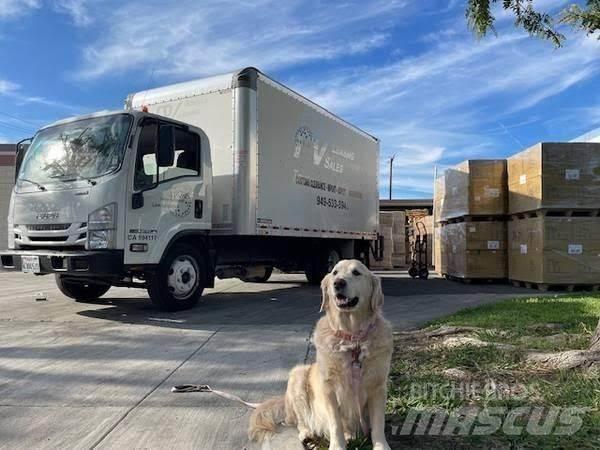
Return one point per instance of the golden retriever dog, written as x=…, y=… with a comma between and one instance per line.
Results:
x=345, y=390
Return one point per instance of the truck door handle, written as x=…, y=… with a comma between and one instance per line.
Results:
x=198, y=206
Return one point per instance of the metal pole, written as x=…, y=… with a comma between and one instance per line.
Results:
x=391, y=171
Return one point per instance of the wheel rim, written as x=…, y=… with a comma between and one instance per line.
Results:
x=182, y=279
x=332, y=259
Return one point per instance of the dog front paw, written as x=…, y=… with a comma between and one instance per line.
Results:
x=336, y=447
x=381, y=446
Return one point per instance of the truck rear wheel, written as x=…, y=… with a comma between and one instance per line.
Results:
x=321, y=265
x=179, y=281
x=81, y=291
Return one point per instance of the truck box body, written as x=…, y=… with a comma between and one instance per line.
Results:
x=282, y=165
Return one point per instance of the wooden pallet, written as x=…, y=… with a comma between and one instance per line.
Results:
x=559, y=212
x=566, y=287
x=466, y=280
x=490, y=218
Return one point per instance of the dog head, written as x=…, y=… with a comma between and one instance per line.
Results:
x=351, y=287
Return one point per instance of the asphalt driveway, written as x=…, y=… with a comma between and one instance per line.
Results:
x=99, y=375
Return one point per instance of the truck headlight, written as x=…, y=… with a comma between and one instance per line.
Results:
x=101, y=227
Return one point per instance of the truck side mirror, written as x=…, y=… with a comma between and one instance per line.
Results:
x=166, y=146
x=21, y=149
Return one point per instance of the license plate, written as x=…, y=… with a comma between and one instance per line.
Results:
x=30, y=264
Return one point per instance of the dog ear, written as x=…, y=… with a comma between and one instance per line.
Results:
x=376, y=293
x=324, y=292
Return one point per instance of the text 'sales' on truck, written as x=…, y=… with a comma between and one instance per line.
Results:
x=231, y=175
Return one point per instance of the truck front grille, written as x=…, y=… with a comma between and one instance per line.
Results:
x=51, y=235
x=48, y=227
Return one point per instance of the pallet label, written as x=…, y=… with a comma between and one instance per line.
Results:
x=571, y=174
x=575, y=249
x=493, y=245
x=492, y=192
x=523, y=179
x=523, y=249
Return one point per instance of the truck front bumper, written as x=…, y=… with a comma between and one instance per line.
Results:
x=105, y=262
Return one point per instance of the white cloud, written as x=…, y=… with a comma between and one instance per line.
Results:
x=15, y=92
x=452, y=98
x=7, y=87
x=16, y=8
x=187, y=40
x=76, y=9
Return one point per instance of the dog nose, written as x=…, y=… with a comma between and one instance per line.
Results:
x=339, y=283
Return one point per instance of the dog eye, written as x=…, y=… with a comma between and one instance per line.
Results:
x=356, y=273
x=335, y=272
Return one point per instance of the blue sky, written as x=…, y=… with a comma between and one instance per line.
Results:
x=408, y=72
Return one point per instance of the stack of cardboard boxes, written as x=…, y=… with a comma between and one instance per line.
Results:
x=554, y=203
x=392, y=226
x=553, y=211
x=399, y=240
x=471, y=200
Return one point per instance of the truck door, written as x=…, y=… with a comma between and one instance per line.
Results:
x=169, y=194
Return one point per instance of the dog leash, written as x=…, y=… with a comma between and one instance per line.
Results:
x=185, y=388
x=356, y=366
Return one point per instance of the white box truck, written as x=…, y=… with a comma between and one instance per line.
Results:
x=230, y=175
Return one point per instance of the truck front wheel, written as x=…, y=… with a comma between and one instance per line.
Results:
x=179, y=281
x=321, y=264
x=81, y=291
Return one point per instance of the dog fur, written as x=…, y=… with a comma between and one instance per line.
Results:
x=320, y=398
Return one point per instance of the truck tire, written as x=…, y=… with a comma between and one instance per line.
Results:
x=179, y=280
x=321, y=265
x=262, y=279
x=80, y=291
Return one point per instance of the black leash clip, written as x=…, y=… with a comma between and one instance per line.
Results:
x=183, y=388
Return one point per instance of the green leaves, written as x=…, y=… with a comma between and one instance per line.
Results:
x=538, y=24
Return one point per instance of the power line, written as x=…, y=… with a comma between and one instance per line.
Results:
x=19, y=119
x=15, y=127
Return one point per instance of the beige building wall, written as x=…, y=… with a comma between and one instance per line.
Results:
x=7, y=177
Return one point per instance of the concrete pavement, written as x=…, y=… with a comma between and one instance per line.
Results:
x=81, y=375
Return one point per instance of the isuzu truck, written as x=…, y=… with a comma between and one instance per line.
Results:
x=227, y=176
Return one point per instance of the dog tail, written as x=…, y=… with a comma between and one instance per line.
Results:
x=265, y=419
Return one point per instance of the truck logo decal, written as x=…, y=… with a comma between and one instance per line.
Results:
x=304, y=138
x=47, y=215
x=181, y=205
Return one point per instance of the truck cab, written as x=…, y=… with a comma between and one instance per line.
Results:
x=110, y=199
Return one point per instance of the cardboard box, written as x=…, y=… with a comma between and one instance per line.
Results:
x=555, y=176
x=474, y=249
x=555, y=250
x=474, y=187
x=439, y=190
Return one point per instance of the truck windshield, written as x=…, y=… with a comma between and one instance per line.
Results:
x=83, y=149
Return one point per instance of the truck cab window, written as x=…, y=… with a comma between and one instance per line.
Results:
x=187, y=157
x=146, y=174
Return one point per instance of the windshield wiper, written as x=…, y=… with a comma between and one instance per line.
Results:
x=79, y=177
x=39, y=186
